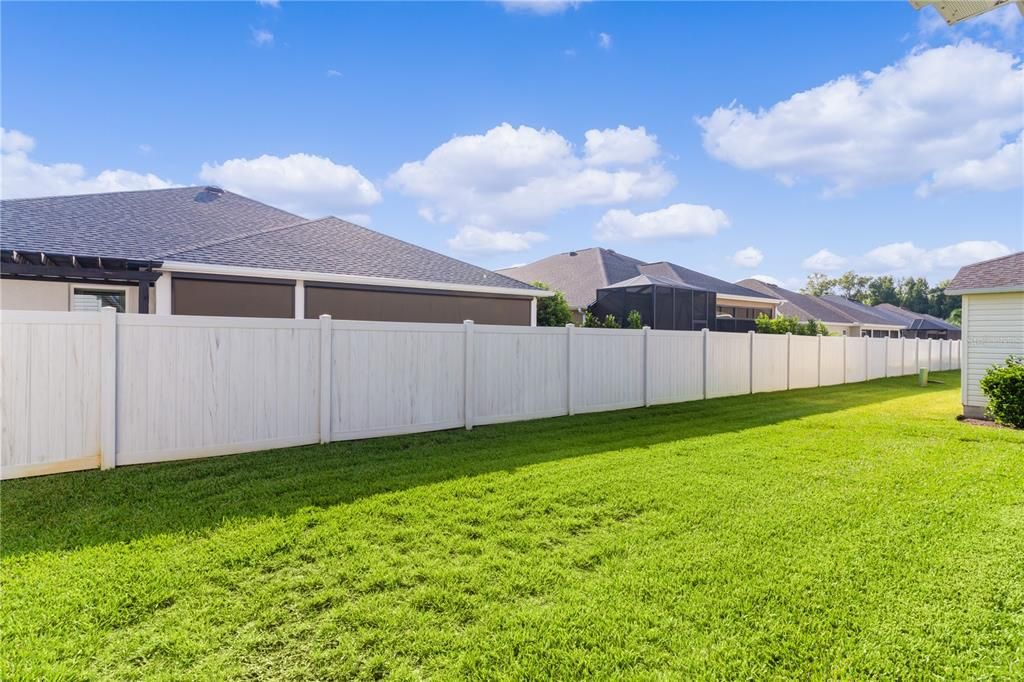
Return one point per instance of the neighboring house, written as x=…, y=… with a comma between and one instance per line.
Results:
x=581, y=274
x=205, y=251
x=807, y=308
x=868, y=321
x=921, y=325
x=993, y=321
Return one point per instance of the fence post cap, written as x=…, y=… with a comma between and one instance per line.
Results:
x=704, y=330
x=467, y=322
x=569, y=324
x=645, y=327
x=325, y=316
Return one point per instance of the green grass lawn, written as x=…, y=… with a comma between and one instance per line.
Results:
x=849, y=532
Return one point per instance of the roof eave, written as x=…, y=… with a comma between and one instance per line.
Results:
x=1011, y=289
x=239, y=271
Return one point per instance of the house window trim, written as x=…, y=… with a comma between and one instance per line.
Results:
x=73, y=290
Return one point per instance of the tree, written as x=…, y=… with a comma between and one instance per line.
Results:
x=955, y=316
x=853, y=286
x=914, y=294
x=819, y=284
x=552, y=311
x=882, y=290
x=939, y=304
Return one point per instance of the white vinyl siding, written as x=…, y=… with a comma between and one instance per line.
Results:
x=993, y=329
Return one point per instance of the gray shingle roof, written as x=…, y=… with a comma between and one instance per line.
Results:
x=863, y=314
x=698, y=280
x=917, y=320
x=331, y=245
x=579, y=274
x=141, y=225
x=997, y=273
x=192, y=224
x=803, y=306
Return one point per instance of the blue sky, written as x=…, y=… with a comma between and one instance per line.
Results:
x=738, y=139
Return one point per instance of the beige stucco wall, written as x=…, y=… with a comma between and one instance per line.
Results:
x=723, y=299
x=19, y=294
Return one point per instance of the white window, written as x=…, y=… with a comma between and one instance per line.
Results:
x=91, y=300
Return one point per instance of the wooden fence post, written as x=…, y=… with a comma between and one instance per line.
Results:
x=570, y=330
x=707, y=339
x=468, y=389
x=108, y=388
x=325, y=378
x=647, y=366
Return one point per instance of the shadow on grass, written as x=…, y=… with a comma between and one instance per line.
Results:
x=68, y=511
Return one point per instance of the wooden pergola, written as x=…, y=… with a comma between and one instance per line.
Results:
x=61, y=267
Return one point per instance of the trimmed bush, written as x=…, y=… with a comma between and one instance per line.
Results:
x=1004, y=387
x=633, y=320
x=792, y=325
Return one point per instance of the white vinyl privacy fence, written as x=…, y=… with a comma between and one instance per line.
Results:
x=82, y=390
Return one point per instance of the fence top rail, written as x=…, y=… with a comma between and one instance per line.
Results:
x=48, y=317
x=374, y=326
x=597, y=331
x=203, y=321
x=677, y=333
x=518, y=329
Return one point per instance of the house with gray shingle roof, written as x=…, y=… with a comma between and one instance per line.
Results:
x=992, y=314
x=581, y=275
x=206, y=251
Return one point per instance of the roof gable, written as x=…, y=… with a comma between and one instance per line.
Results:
x=698, y=280
x=1003, y=273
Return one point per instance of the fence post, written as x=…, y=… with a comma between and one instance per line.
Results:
x=569, y=333
x=885, y=358
x=750, y=349
x=325, y=378
x=468, y=389
x=707, y=339
x=819, y=360
x=846, y=342
x=867, y=356
x=647, y=366
x=789, y=360
x=917, y=355
x=108, y=388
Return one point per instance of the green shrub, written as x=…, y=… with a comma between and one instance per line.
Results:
x=633, y=320
x=1004, y=387
x=611, y=322
x=552, y=311
x=789, y=325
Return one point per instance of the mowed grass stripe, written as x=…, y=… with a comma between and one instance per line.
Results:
x=845, y=532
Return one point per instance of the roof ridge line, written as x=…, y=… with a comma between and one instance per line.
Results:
x=244, y=235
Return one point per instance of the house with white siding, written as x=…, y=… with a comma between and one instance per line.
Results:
x=992, y=320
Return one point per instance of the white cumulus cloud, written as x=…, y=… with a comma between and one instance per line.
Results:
x=542, y=7
x=604, y=41
x=926, y=114
x=620, y=145
x=749, y=257
x=472, y=239
x=302, y=183
x=906, y=256
x=677, y=220
x=262, y=37
x=22, y=176
x=519, y=176
x=824, y=261
x=1002, y=170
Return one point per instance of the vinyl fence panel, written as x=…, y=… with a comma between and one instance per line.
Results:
x=200, y=386
x=607, y=369
x=676, y=366
x=770, y=359
x=803, y=361
x=728, y=365
x=393, y=378
x=894, y=357
x=876, y=358
x=833, y=369
x=519, y=373
x=82, y=390
x=909, y=350
x=856, y=358
x=49, y=392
